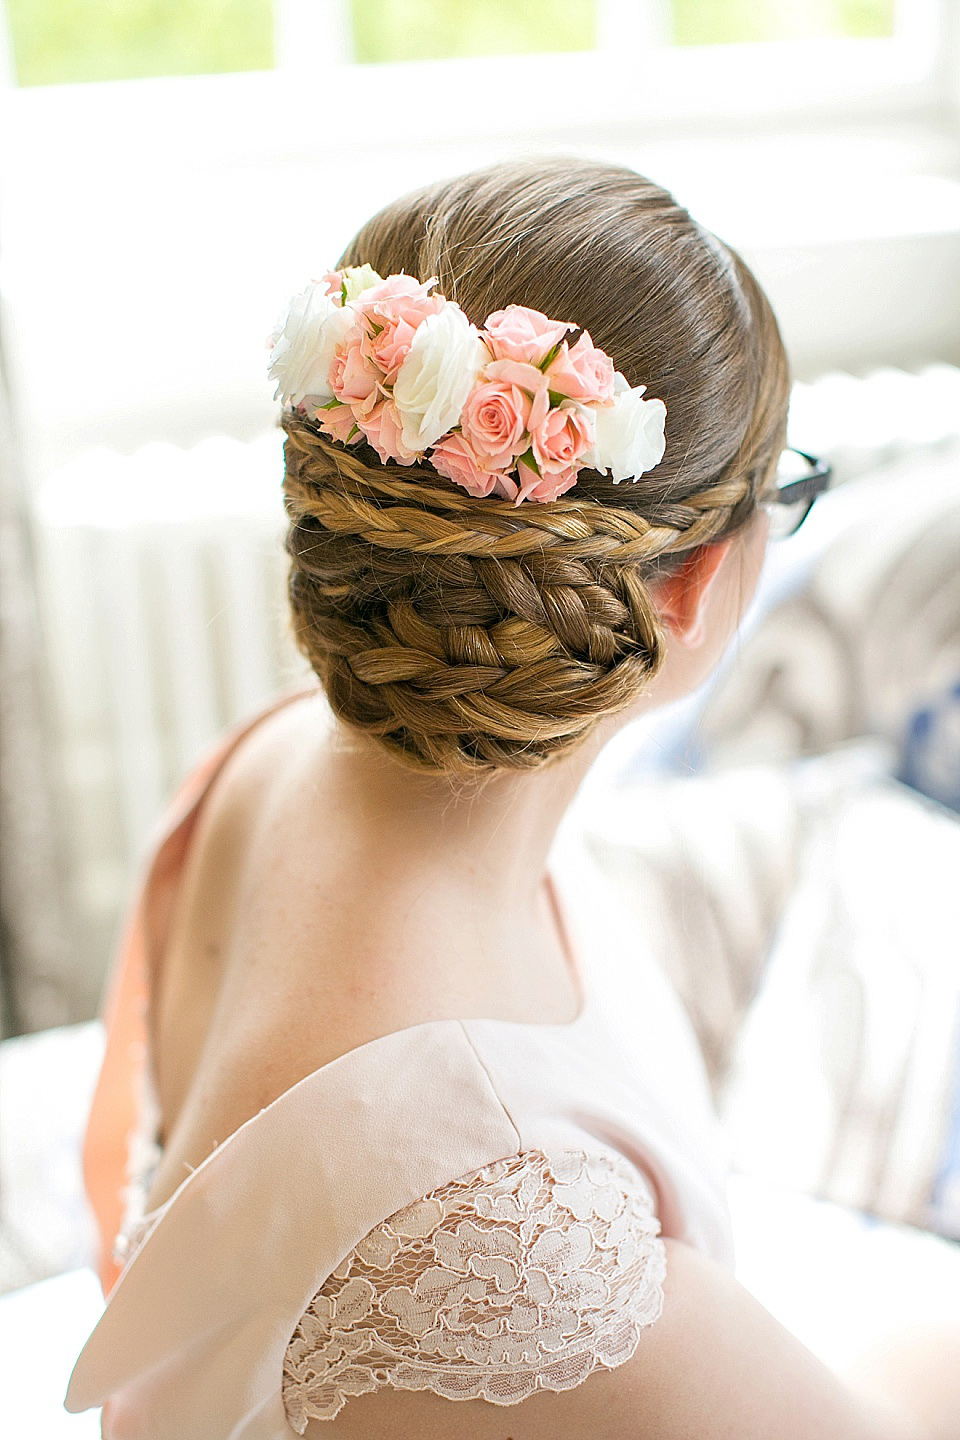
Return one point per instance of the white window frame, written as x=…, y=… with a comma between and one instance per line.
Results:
x=721, y=90
x=917, y=70
x=713, y=122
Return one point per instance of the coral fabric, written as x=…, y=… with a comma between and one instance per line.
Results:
x=192, y=1341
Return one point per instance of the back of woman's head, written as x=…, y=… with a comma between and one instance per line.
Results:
x=469, y=634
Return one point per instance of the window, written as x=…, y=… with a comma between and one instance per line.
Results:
x=384, y=30
x=445, y=29
x=718, y=22
x=63, y=41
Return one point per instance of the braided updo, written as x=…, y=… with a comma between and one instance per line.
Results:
x=469, y=634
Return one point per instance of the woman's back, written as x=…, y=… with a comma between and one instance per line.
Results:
x=712, y=1360
x=295, y=937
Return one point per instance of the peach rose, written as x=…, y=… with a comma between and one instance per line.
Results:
x=562, y=437
x=387, y=298
x=519, y=333
x=353, y=377
x=544, y=487
x=390, y=313
x=581, y=372
x=352, y=279
x=333, y=279
x=494, y=422
x=389, y=347
x=453, y=458
x=381, y=428
x=338, y=421
x=520, y=373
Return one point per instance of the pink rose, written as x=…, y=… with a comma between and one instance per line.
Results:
x=337, y=421
x=381, y=428
x=519, y=333
x=389, y=347
x=454, y=458
x=353, y=377
x=565, y=433
x=388, y=297
x=528, y=385
x=390, y=313
x=522, y=374
x=334, y=282
x=544, y=487
x=495, y=420
x=582, y=372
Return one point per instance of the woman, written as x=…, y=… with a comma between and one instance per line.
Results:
x=426, y=1134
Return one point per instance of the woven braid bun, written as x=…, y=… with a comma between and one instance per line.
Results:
x=468, y=634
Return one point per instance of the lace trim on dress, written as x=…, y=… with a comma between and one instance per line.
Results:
x=528, y=1274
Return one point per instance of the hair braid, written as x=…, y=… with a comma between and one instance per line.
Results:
x=467, y=633
x=391, y=507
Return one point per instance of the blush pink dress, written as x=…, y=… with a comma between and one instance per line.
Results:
x=472, y=1207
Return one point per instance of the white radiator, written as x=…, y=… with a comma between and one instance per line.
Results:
x=163, y=577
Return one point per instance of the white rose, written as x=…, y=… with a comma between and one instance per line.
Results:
x=630, y=438
x=304, y=343
x=357, y=278
x=437, y=374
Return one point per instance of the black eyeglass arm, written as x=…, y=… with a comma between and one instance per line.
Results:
x=806, y=487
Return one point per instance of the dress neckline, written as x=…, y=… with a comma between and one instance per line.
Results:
x=576, y=962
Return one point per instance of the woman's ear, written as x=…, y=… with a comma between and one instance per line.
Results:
x=681, y=598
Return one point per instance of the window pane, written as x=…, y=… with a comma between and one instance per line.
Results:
x=440, y=29
x=60, y=41
x=713, y=22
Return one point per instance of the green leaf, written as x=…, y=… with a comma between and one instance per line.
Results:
x=550, y=356
x=528, y=458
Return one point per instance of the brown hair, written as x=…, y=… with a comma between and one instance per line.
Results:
x=469, y=634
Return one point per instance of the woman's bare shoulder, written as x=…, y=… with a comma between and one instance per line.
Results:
x=283, y=737
x=715, y=1365
x=211, y=1004
x=260, y=767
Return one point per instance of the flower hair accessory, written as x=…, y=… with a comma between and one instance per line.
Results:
x=512, y=409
